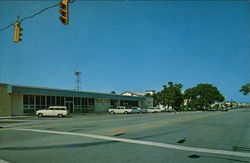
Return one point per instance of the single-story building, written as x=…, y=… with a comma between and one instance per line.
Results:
x=24, y=100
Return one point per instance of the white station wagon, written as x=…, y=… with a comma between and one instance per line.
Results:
x=120, y=109
x=59, y=111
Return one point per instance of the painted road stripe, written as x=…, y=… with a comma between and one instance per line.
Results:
x=3, y=161
x=170, y=146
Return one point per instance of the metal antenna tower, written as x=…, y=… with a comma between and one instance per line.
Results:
x=77, y=86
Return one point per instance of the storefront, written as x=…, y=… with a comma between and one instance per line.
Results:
x=25, y=100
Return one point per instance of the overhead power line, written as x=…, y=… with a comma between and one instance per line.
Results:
x=7, y=27
x=28, y=17
x=72, y=1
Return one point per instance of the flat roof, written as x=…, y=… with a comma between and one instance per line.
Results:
x=29, y=90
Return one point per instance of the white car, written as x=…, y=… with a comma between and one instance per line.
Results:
x=138, y=110
x=153, y=110
x=59, y=111
x=120, y=109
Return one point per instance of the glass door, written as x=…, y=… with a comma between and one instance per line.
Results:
x=70, y=106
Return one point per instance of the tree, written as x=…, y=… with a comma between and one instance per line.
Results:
x=112, y=92
x=171, y=95
x=157, y=98
x=245, y=89
x=202, y=96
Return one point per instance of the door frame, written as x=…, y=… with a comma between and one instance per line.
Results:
x=70, y=106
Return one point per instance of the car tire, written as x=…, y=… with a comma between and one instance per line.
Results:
x=112, y=112
x=40, y=115
x=60, y=115
x=125, y=112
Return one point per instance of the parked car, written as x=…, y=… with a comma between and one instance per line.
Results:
x=59, y=111
x=153, y=110
x=169, y=110
x=138, y=110
x=120, y=109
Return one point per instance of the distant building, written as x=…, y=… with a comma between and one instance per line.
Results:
x=130, y=93
x=150, y=92
x=149, y=100
x=24, y=100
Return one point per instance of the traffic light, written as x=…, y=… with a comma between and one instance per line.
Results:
x=17, y=34
x=64, y=5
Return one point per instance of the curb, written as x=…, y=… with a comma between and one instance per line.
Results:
x=14, y=117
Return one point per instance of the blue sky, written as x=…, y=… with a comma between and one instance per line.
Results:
x=132, y=46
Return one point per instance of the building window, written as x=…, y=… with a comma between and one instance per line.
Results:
x=26, y=99
x=48, y=101
x=53, y=100
x=32, y=100
x=38, y=102
x=69, y=99
x=43, y=103
x=77, y=103
x=28, y=103
x=129, y=104
x=35, y=102
x=113, y=103
x=62, y=101
x=86, y=102
x=58, y=101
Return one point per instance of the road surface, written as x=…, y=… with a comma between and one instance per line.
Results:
x=188, y=137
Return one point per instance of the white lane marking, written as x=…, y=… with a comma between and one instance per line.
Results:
x=170, y=146
x=3, y=161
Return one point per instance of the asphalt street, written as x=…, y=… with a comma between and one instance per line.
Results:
x=204, y=137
